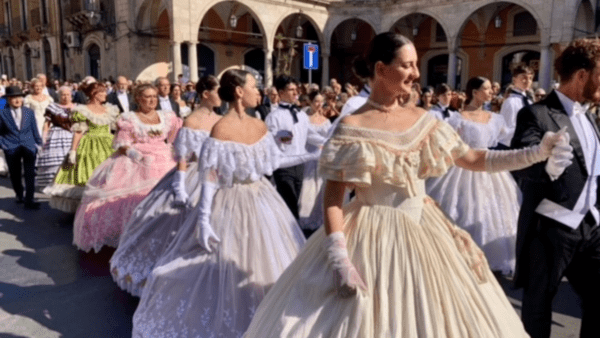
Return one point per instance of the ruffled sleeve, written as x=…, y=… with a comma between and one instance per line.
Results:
x=236, y=162
x=439, y=150
x=189, y=142
x=79, y=122
x=125, y=132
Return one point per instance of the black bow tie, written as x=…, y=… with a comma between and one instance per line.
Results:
x=524, y=97
x=445, y=112
x=293, y=110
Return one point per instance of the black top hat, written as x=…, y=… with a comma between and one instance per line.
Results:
x=13, y=91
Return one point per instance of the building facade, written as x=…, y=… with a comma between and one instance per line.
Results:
x=143, y=39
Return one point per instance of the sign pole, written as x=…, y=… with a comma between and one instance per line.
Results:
x=310, y=76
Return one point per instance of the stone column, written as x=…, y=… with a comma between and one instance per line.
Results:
x=193, y=61
x=268, y=67
x=176, y=59
x=325, y=69
x=451, y=68
x=545, y=71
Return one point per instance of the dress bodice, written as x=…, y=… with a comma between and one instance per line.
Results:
x=39, y=107
x=94, y=124
x=389, y=168
x=133, y=132
x=479, y=135
x=189, y=142
x=239, y=163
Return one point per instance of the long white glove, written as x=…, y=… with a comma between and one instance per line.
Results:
x=134, y=154
x=561, y=157
x=347, y=278
x=72, y=157
x=178, y=186
x=509, y=160
x=293, y=160
x=204, y=232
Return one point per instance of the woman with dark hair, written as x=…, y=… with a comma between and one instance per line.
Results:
x=176, y=92
x=426, y=99
x=91, y=145
x=484, y=204
x=143, y=156
x=236, y=242
x=159, y=217
x=390, y=263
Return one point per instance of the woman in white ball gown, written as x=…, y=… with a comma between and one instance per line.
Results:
x=485, y=204
x=389, y=263
x=311, y=195
x=158, y=218
x=241, y=235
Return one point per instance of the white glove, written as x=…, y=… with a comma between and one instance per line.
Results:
x=178, y=185
x=509, y=160
x=293, y=160
x=204, y=232
x=347, y=278
x=72, y=157
x=134, y=154
x=561, y=157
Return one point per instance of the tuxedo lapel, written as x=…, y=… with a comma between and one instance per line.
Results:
x=592, y=119
x=8, y=117
x=23, y=118
x=561, y=119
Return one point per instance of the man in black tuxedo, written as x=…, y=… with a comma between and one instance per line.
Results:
x=165, y=102
x=558, y=223
x=120, y=97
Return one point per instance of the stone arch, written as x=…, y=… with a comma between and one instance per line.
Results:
x=429, y=55
x=583, y=24
x=90, y=40
x=349, y=39
x=439, y=19
x=309, y=18
x=334, y=22
x=148, y=12
x=499, y=56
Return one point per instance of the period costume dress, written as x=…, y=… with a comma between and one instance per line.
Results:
x=39, y=108
x=57, y=145
x=157, y=219
x=195, y=293
x=485, y=204
x=425, y=277
x=311, y=194
x=120, y=183
x=3, y=165
x=94, y=147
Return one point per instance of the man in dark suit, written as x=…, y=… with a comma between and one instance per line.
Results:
x=165, y=102
x=120, y=97
x=558, y=232
x=19, y=139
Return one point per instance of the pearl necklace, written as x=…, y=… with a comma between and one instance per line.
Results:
x=378, y=106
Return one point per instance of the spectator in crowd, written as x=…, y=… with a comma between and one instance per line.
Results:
x=442, y=109
x=47, y=90
x=184, y=110
x=426, y=98
x=519, y=97
x=539, y=94
x=120, y=97
x=165, y=102
x=189, y=95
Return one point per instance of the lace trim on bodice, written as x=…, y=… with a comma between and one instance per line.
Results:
x=237, y=162
x=189, y=141
x=36, y=105
x=110, y=116
x=356, y=154
x=478, y=134
x=144, y=128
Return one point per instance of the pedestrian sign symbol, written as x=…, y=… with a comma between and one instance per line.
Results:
x=311, y=56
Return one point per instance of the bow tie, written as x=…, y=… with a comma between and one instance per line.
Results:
x=578, y=108
x=293, y=110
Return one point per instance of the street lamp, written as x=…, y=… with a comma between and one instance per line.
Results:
x=353, y=35
x=498, y=22
x=233, y=21
x=415, y=31
x=299, y=31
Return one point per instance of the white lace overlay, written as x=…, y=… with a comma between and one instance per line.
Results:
x=236, y=162
x=189, y=142
x=110, y=116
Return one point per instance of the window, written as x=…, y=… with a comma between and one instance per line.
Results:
x=44, y=9
x=524, y=24
x=440, y=35
x=24, y=15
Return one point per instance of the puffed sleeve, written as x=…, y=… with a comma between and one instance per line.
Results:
x=439, y=149
x=125, y=133
x=79, y=122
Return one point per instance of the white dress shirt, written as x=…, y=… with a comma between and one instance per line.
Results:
x=590, y=146
x=165, y=103
x=351, y=106
x=509, y=110
x=281, y=120
x=437, y=110
x=124, y=100
x=17, y=116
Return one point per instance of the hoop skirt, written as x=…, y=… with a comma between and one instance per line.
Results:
x=57, y=145
x=311, y=194
x=425, y=277
x=484, y=204
x=119, y=184
x=193, y=293
x=94, y=147
x=156, y=220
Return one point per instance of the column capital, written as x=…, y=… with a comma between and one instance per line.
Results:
x=191, y=43
x=175, y=43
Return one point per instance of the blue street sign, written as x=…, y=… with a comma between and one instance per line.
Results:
x=311, y=56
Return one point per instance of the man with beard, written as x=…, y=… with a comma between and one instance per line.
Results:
x=558, y=223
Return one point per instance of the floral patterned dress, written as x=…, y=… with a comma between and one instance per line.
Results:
x=120, y=183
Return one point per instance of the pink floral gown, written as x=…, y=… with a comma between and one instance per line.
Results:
x=119, y=184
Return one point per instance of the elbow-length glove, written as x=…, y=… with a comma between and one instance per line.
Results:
x=346, y=277
x=204, y=231
x=72, y=157
x=178, y=186
x=509, y=160
x=293, y=160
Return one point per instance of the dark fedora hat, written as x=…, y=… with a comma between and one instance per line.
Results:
x=13, y=91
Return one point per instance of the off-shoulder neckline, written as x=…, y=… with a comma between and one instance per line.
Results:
x=389, y=132
x=195, y=130
x=244, y=144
